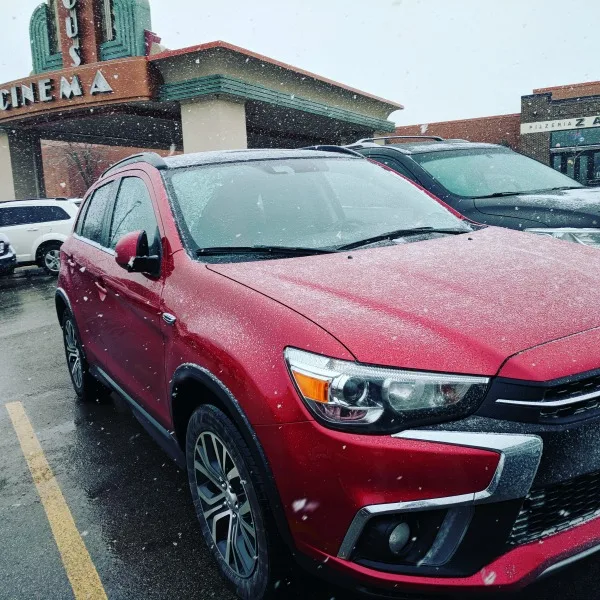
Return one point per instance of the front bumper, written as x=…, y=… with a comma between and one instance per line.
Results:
x=8, y=262
x=471, y=485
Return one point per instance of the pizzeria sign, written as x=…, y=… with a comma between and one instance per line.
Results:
x=560, y=124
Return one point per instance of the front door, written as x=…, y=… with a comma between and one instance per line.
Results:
x=86, y=256
x=134, y=338
x=24, y=228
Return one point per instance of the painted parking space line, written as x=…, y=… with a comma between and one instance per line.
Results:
x=78, y=564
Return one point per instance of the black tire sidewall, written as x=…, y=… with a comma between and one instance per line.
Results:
x=78, y=390
x=210, y=418
x=48, y=247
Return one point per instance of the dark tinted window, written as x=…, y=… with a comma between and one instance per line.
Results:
x=45, y=214
x=134, y=212
x=392, y=164
x=20, y=215
x=93, y=220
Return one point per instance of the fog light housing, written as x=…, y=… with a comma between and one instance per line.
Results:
x=399, y=538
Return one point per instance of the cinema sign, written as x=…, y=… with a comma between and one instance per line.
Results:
x=119, y=81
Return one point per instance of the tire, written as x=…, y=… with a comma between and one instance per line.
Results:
x=49, y=257
x=87, y=387
x=228, y=477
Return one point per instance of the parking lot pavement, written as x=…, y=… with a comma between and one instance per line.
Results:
x=129, y=503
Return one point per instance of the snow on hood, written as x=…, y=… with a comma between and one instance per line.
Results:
x=551, y=207
x=460, y=304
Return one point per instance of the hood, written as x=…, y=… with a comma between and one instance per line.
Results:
x=578, y=207
x=461, y=304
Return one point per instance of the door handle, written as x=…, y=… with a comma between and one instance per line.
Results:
x=169, y=319
x=100, y=287
x=33, y=229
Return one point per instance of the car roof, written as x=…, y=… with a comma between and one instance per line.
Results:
x=222, y=156
x=430, y=146
x=228, y=156
x=37, y=202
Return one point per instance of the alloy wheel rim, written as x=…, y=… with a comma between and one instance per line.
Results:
x=225, y=505
x=52, y=260
x=73, y=355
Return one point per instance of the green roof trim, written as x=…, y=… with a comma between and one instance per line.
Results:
x=132, y=18
x=230, y=86
x=43, y=59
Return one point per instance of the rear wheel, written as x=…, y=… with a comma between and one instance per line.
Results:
x=230, y=504
x=49, y=257
x=87, y=387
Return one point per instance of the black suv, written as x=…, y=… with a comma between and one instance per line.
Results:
x=493, y=185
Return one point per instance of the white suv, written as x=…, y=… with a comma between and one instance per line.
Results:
x=37, y=229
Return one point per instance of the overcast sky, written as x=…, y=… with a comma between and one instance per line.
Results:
x=442, y=59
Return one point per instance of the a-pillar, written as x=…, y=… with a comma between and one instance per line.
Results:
x=7, y=188
x=213, y=124
x=26, y=163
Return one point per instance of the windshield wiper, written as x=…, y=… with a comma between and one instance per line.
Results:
x=541, y=191
x=500, y=194
x=293, y=251
x=392, y=235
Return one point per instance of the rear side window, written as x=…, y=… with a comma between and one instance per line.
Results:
x=46, y=214
x=92, y=226
x=20, y=215
x=134, y=212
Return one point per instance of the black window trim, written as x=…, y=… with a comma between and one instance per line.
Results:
x=108, y=216
x=107, y=210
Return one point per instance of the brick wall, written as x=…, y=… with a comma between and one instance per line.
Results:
x=501, y=129
x=68, y=167
x=550, y=104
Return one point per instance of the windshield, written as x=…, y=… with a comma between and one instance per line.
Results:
x=477, y=173
x=317, y=203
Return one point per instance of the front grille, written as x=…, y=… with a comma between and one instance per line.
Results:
x=555, y=508
x=568, y=391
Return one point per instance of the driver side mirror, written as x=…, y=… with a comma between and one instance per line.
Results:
x=133, y=254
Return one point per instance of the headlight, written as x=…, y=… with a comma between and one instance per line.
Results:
x=587, y=236
x=351, y=396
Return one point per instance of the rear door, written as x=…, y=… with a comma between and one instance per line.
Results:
x=24, y=226
x=87, y=258
x=134, y=337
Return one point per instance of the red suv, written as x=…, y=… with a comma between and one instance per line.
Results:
x=351, y=374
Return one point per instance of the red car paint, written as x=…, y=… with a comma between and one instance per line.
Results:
x=488, y=303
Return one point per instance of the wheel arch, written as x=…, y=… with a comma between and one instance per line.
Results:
x=62, y=303
x=193, y=386
x=42, y=242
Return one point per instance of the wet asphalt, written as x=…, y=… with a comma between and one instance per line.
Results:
x=130, y=503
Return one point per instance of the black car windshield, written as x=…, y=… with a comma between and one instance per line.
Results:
x=486, y=172
x=299, y=202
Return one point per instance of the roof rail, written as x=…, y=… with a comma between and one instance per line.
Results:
x=151, y=158
x=333, y=148
x=437, y=138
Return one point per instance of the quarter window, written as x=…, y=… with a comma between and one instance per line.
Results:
x=134, y=212
x=93, y=221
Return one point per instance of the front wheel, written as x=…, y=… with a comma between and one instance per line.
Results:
x=230, y=504
x=49, y=258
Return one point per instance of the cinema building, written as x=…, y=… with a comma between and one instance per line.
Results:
x=101, y=79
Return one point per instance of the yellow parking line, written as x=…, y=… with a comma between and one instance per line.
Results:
x=80, y=569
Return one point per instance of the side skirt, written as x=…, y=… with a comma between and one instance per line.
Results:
x=163, y=437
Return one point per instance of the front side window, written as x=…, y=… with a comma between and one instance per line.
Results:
x=479, y=173
x=47, y=214
x=93, y=221
x=317, y=203
x=134, y=212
